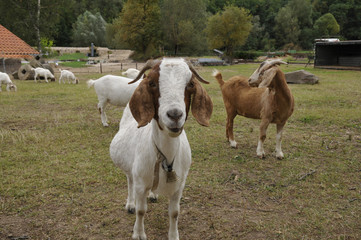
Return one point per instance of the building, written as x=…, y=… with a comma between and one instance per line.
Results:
x=338, y=54
x=12, y=49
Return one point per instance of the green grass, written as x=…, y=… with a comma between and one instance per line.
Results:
x=73, y=56
x=58, y=182
x=76, y=60
x=74, y=64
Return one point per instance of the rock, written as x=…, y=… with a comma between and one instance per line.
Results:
x=301, y=77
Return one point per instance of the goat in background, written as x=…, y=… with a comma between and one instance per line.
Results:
x=5, y=79
x=272, y=101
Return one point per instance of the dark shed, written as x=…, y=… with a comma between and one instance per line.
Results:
x=338, y=55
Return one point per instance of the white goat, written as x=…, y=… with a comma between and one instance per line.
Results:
x=5, y=79
x=131, y=73
x=114, y=90
x=156, y=157
x=42, y=72
x=272, y=101
x=69, y=76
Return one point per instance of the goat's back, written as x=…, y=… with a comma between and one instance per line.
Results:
x=115, y=89
x=240, y=98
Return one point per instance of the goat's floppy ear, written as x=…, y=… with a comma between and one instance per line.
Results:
x=141, y=105
x=202, y=105
x=268, y=76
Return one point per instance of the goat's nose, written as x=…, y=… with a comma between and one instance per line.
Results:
x=174, y=114
x=249, y=80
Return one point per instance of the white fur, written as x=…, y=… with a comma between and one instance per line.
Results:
x=42, y=72
x=133, y=149
x=114, y=90
x=131, y=73
x=69, y=76
x=5, y=79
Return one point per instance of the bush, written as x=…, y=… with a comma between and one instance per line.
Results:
x=250, y=55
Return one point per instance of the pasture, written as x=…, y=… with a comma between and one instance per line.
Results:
x=58, y=181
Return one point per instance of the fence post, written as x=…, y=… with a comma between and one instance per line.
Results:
x=136, y=65
x=101, y=70
x=121, y=66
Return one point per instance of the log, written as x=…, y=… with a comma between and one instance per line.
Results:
x=25, y=72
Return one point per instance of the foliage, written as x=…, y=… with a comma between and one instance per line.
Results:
x=89, y=28
x=182, y=28
x=326, y=25
x=248, y=55
x=229, y=29
x=46, y=45
x=138, y=28
x=280, y=22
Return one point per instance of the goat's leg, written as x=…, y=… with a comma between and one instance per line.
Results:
x=130, y=207
x=279, y=153
x=173, y=213
x=0, y=86
x=103, y=116
x=46, y=79
x=141, y=209
x=262, y=137
x=229, y=129
x=35, y=77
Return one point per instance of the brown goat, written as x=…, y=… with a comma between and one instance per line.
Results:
x=272, y=101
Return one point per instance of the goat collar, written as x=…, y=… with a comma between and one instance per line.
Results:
x=171, y=174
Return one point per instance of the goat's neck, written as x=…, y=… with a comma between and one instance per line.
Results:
x=281, y=87
x=167, y=145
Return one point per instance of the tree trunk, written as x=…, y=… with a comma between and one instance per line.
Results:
x=37, y=27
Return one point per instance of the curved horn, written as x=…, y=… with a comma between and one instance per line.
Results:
x=148, y=65
x=276, y=62
x=196, y=74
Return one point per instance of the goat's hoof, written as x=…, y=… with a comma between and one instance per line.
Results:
x=233, y=143
x=105, y=125
x=261, y=156
x=153, y=199
x=279, y=157
x=139, y=237
x=131, y=210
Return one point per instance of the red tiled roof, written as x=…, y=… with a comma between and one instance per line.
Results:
x=12, y=46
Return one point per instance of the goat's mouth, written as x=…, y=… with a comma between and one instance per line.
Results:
x=175, y=132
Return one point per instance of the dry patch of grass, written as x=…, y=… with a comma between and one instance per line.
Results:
x=58, y=182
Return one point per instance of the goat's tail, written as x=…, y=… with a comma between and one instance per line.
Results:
x=90, y=83
x=218, y=76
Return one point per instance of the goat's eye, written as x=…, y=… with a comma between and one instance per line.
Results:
x=190, y=85
x=152, y=84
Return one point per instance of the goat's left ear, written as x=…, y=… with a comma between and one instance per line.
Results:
x=268, y=76
x=202, y=105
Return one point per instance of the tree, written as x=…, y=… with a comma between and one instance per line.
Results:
x=182, y=28
x=326, y=25
x=286, y=28
x=293, y=23
x=89, y=28
x=138, y=28
x=229, y=29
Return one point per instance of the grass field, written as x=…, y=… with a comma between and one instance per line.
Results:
x=58, y=181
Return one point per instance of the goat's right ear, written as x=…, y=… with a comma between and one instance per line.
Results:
x=141, y=105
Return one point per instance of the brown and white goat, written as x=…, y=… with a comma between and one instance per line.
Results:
x=272, y=101
x=151, y=146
